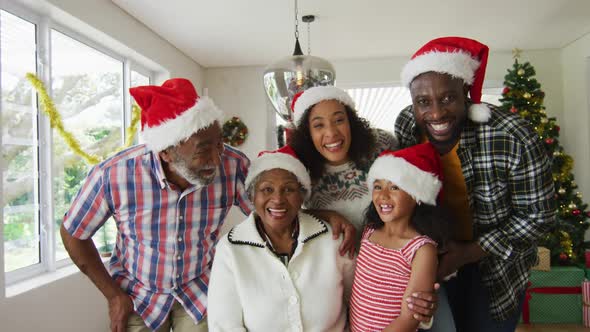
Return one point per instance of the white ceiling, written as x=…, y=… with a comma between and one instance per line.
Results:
x=220, y=33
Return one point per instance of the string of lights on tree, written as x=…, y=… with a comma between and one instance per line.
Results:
x=522, y=95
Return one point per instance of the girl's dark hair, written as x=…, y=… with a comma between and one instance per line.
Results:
x=428, y=220
x=362, y=145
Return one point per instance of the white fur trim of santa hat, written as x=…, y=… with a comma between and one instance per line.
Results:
x=422, y=186
x=457, y=64
x=171, y=132
x=316, y=94
x=272, y=160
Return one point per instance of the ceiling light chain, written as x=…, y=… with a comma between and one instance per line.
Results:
x=308, y=38
x=308, y=19
x=296, y=21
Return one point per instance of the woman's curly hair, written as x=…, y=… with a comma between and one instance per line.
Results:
x=362, y=145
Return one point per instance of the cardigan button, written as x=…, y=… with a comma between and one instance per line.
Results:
x=293, y=299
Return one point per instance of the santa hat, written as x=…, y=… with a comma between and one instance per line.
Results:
x=173, y=112
x=302, y=101
x=416, y=170
x=459, y=57
x=283, y=158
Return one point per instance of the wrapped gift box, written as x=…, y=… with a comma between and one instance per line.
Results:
x=554, y=296
x=586, y=302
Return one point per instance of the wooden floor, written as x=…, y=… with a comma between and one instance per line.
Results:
x=551, y=328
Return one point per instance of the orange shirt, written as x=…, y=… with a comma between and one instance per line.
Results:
x=455, y=198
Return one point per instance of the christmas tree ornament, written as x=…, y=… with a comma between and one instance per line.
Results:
x=576, y=212
x=526, y=95
x=557, y=128
x=579, y=195
x=556, y=153
x=544, y=120
x=563, y=257
x=572, y=206
x=520, y=72
x=505, y=90
x=561, y=191
x=549, y=140
x=513, y=110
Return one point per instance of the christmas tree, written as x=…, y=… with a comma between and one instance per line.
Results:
x=522, y=95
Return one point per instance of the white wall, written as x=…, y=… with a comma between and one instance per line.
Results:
x=73, y=303
x=574, y=133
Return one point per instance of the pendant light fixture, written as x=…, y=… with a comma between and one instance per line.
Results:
x=290, y=75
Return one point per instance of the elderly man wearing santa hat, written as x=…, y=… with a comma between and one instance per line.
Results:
x=169, y=199
x=497, y=182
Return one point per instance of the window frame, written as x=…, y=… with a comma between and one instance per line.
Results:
x=44, y=137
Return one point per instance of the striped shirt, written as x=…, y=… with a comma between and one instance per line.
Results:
x=380, y=281
x=165, y=236
x=511, y=198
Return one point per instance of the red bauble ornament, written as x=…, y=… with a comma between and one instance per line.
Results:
x=513, y=110
x=557, y=128
x=549, y=140
x=576, y=212
x=588, y=214
x=505, y=90
x=563, y=257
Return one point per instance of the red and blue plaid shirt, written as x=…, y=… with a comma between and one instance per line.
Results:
x=166, y=237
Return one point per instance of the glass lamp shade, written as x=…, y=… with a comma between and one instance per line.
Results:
x=288, y=76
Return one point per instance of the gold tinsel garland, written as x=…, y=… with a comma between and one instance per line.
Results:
x=55, y=120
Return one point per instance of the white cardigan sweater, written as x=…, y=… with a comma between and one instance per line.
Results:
x=251, y=290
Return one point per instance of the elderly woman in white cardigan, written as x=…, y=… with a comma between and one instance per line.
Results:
x=279, y=270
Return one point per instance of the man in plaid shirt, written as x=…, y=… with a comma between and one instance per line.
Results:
x=497, y=182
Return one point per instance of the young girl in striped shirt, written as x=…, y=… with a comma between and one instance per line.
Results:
x=398, y=254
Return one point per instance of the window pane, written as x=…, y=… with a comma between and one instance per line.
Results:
x=88, y=95
x=19, y=144
x=138, y=79
x=380, y=105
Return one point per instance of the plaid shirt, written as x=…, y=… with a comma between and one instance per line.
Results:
x=511, y=195
x=166, y=237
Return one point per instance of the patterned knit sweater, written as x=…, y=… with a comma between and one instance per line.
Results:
x=343, y=188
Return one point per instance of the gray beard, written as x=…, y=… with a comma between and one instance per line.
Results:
x=191, y=176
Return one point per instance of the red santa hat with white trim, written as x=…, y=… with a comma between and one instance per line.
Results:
x=416, y=170
x=459, y=57
x=283, y=158
x=304, y=100
x=173, y=112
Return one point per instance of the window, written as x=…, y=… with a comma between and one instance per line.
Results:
x=19, y=144
x=40, y=173
x=90, y=100
x=380, y=105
